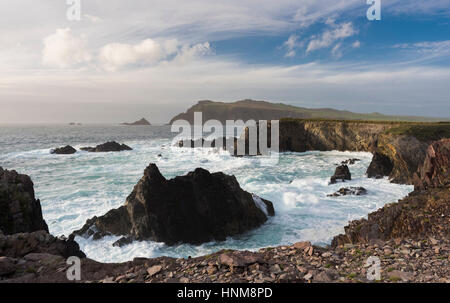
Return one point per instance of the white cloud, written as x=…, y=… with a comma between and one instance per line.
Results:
x=149, y=53
x=337, y=51
x=356, y=44
x=329, y=37
x=291, y=44
x=116, y=55
x=64, y=49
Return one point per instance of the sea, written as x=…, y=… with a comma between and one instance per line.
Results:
x=74, y=188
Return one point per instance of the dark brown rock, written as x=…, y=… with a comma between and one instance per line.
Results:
x=196, y=208
x=358, y=191
x=107, y=147
x=435, y=170
x=380, y=166
x=19, y=209
x=341, y=173
x=66, y=150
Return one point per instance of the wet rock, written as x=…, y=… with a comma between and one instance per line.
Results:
x=380, y=166
x=341, y=173
x=123, y=241
x=350, y=161
x=196, y=208
x=358, y=191
x=66, y=150
x=107, y=147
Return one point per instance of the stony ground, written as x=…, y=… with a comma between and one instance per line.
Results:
x=402, y=260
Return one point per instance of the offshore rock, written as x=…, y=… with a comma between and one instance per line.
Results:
x=107, y=147
x=195, y=208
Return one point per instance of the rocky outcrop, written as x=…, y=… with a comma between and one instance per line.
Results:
x=65, y=150
x=380, y=166
x=107, y=147
x=435, y=170
x=21, y=244
x=341, y=173
x=143, y=121
x=344, y=191
x=196, y=208
x=399, y=147
x=19, y=209
x=424, y=213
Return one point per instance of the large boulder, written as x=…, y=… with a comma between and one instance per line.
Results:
x=435, y=170
x=65, y=150
x=342, y=173
x=380, y=166
x=195, y=208
x=19, y=209
x=112, y=146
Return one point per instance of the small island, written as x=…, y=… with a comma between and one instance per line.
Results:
x=143, y=121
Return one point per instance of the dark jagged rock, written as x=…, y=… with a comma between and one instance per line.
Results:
x=20, y=244
x=143, y=121
x=196, y=208
x=66, y=150
x=358, y=191
x=435, y=170
x=380, y=166
x=107, y=147
x=422, y=213
x=19, y=209
x=341, y=173
x=350, y=161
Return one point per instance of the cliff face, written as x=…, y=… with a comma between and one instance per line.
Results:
x=399, y=148
x=301, y=136
x=422, y=213
x=19, y=209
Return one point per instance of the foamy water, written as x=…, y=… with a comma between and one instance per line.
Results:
x=73, y=188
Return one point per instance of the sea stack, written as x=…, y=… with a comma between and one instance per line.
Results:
x=195, y=208
x=143, y=121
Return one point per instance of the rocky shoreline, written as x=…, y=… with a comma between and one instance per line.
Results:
x=410, y=238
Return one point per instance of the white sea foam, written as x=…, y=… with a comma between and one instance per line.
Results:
x=73, y=188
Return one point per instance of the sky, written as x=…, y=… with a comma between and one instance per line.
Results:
x=123, y=60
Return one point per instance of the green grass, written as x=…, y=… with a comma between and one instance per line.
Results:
x=217, y=110
x=423, y=132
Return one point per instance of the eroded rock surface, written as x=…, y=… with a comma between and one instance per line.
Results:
x=196, y=208
x=20, y=211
